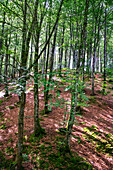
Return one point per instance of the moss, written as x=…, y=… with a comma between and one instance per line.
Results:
x=11, y=107
x=1, y=101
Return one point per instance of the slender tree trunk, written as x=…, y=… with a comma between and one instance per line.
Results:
x=22, y=74
x=31, y=55
x=47, y=66
x=59, y=54
x=98, y=64
x=14, y=60
x=61, y=57
x=45, y=84
x=98, y=37
x=76, y=44
x=37, y=127
x=50, y=75
x=44, y=56
x=94, y=56
x=1, y=46
x=69, y=61
x=22, y=97
x=74, y=94
x=105, y=53
x=74, y=98
x=66, y=51
x=84, y=52
x=6, y=67
x=73, y=48
x=87, y=67
x=90, y=59
x=50, y=35
x=101, y=63
x=9, y=57
x=7, y=62
x=73, y=63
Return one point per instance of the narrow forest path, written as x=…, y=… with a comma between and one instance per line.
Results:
x=92, y=136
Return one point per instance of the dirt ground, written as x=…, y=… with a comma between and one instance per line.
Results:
x=92, y=136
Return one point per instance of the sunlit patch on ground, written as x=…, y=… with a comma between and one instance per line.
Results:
x=2, y=93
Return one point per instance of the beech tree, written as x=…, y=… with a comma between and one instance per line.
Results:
x=23, y=73
x=74, y=96
x=31, y=33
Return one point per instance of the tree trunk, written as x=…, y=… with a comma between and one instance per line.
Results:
x=22, y=100
x=1, y=46
x=87, y=67
x=14, y=60
x=74, y=98
x=31, y=55
x=69, y=61
x=22, y=96
x=6, y=66
x=83, y=63
x=94, y=56
x=105, y=53
x=37, y=127
x=44, y=56
x=50, y=75
x=61, y=57
x=74, y=93
x=66, y=51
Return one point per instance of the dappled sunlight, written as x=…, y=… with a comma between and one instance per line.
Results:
x=2, y=93
x=91, y=130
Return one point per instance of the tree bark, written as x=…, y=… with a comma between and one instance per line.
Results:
x=74, y=92
x=50, y=35
x=61, y=57
x=31, y=55
x=22, y=97
x=66, y=52
x=105, y=52
x=1, y=46
x=6, y=66
x=50, y=75
x=94, y=56
x=69, y=61
x=44, y=60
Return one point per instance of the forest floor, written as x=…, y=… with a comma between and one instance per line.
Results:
x=92, y=136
